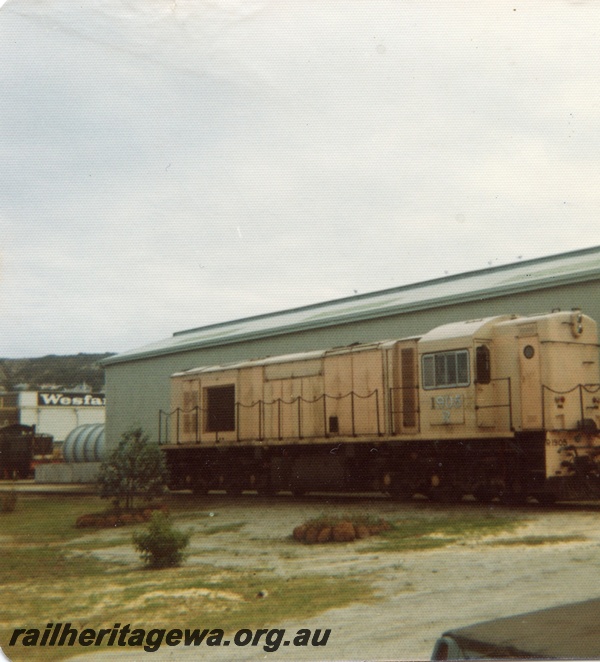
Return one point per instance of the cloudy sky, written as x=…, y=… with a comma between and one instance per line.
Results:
x=167, y=164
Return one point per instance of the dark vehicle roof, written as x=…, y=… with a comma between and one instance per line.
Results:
x=568, y=631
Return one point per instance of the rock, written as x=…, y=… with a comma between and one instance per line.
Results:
x=300, y=532
x=111, y=520
x=317, y=531
x=344, y=532
x=85, y=521
x=324, y=534
x=311, y=535
x=362, y=531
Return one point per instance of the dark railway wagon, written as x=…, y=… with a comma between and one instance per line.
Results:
x=19, y=444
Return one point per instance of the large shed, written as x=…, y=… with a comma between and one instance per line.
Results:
x=138, y=381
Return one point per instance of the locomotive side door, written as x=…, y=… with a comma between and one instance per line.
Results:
x=484, y=388
x=403, y=370
x=531, y=383
x=188, y=426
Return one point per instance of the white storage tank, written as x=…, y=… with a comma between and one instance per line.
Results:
x=85, y=443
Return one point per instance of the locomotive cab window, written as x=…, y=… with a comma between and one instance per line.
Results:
x=446, y=369
x=220, y=408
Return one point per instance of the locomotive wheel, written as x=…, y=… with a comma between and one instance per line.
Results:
x=514, y=494
x=401, y=490
x=261, y=480
x=264, y=486
x=513, y=499
x=445, y=494
x=402, y=495
x=485, y=494
x=443, y=490
x=233, y=488
x=200, y=486
x=546, y=498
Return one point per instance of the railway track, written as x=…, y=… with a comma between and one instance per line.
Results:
x=334, y=498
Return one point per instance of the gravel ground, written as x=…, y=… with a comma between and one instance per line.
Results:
x=420, y=593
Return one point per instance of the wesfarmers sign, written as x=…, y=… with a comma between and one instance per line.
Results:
x=70, y=400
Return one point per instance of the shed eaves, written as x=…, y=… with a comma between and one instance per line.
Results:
x=541, y=273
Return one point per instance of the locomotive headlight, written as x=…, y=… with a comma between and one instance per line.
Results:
x=576, y=323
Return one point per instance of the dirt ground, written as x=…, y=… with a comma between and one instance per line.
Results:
x=419, y=593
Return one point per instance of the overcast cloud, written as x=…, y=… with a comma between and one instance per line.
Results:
x=172, y=164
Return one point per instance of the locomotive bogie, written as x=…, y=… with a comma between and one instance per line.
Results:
x=484, y=406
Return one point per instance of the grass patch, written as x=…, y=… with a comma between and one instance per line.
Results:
x=37, y=563
x=187, y=596
x=535, y=540
x=50, y=573
x=48, y=518
x=91, y=543
x=223, y=528
x=421, y=534
x=8, y=501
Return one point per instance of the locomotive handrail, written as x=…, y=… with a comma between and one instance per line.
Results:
x=324, y=396
x=581, y=388
x=166, y=414
x=237, y=418
x=392, y=411
x=585, y=387
x=177, y=411
x=164, y=417
x=501, y=405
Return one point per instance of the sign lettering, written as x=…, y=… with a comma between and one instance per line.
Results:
x=447, y=402
x=71, y=400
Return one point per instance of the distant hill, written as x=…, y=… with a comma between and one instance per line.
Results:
x=63, y=371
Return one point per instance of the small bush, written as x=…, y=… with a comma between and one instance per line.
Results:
x=8, y=503
x=136, y=467
x=161, y=546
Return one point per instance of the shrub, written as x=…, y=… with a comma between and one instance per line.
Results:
x=161, y=546
x=136, y=466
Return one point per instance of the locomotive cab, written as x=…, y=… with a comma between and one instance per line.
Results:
x=463, y=392
x=511, y=373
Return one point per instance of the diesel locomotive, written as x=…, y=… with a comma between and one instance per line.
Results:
x=502, y=407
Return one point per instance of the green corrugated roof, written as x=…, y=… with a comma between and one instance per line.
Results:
x=541, y=273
